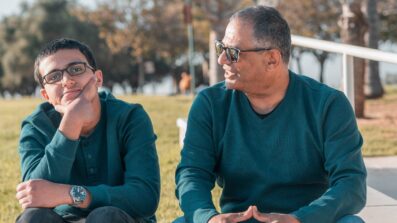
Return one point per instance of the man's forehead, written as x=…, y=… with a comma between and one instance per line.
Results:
x=230, y=33
x=236, y=32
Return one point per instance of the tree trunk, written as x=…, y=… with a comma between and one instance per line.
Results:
x=321, y=74
x=373, y=86
x=215, y=70
x=321, y=57
x=296, y=55
x=353, y=27
x=141, y=74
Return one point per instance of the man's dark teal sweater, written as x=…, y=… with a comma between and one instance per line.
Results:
x=117, y=162
x=304, y=158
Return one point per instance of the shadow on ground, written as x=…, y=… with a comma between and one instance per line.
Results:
x=383, y=180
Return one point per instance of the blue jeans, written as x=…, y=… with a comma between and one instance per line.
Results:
x=346, y=219
x=351, y=219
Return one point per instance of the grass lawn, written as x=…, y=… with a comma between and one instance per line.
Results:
x=379, y=131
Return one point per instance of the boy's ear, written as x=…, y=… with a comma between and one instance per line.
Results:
x=99, y=78
x=44, y=94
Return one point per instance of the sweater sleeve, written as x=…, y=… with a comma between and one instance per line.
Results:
x=139, y=195
x=51, y=161
x=344, y=164
x=195, y=177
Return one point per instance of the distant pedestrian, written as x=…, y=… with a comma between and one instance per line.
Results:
x=184, y=83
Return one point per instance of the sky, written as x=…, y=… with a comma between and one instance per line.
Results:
x=9, y=7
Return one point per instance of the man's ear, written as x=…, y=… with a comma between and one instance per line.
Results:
x=99, y=78
x=44, y=94
x=273, y=58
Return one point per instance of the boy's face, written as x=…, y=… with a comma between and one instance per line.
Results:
x=68, y=87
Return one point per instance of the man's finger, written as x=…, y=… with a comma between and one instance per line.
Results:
x=260, y=216
x=239, y=217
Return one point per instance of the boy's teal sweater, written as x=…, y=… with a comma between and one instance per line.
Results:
x=117, y=162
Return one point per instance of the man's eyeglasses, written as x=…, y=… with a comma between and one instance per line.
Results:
x=73, y=69
x=232, y=54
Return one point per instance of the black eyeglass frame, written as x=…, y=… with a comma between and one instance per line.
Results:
x=70, y=65
x=237, y=50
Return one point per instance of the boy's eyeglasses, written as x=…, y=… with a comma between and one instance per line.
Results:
x=232, y=53
x=73, y=69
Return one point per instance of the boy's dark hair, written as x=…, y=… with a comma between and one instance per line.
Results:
x=61, y=44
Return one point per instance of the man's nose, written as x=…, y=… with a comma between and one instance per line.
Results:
x=222, y=59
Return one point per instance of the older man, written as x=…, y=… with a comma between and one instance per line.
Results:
x=283, y=147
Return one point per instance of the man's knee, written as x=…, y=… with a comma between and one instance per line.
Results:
x=351, y=219
x=110, y=214
x=42, y=215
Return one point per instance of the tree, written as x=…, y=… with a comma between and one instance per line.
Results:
x=373, y=86
x=354, y=26
x=388, y=20
x=24, y=35
x=134, y=26
x=313, y=18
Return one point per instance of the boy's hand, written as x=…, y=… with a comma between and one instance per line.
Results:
x=42, y=193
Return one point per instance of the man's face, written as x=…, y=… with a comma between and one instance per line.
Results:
x=68, y=87
x=247, y=72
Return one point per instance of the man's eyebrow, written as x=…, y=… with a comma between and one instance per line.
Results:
x=67, y=65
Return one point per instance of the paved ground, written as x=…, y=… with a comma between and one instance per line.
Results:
x=382, y=174
x=382, y=190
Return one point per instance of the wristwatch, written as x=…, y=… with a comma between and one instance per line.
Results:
x=78, y=194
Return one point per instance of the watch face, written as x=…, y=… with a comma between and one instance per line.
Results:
x=78, y=194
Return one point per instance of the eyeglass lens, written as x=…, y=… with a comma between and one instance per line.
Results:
x=232, y=54
x=73, y=70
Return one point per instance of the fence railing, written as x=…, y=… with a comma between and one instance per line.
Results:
x=348, y=53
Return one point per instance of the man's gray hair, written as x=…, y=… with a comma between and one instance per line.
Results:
x=269, y=28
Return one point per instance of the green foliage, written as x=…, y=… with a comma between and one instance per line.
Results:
x=123, y=34
x=313, y=18
x=388, y=27
x=387, y=10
